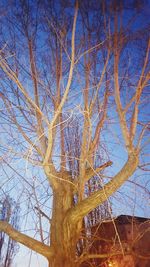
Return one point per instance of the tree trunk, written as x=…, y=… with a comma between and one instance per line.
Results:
x=61, y=262
x=63, y=238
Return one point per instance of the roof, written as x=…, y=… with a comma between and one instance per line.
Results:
x=125, y=219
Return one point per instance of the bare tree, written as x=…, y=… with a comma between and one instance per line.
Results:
x=9, y=212
x=89, y=62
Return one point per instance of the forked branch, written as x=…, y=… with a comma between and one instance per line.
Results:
x=63, y=100
x=98, y=197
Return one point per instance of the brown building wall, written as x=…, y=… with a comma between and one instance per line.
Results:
x=126, y=234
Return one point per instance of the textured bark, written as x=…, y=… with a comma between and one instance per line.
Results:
x=74, y=217
x=67, y=219
x=60, y=261
x=65, y=250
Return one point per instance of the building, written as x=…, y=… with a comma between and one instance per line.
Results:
x=124, y=242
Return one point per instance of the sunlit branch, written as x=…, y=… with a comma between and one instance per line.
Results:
x=98, y=197
x=88, y=51
x=99, y=124
x=40, y=129
x=90, y=172
x=98, y=256
x=59, y=108
x=121, y=114
x=142, y=134
x=30, y=242
x=141, y=84
x=99, y=83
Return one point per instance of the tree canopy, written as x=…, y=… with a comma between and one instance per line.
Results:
x=74, y=96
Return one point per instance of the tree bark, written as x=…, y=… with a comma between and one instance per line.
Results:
x=61, y=261
x=28, y=241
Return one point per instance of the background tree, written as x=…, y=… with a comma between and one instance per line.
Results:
x=63, y=62
x=9, y=212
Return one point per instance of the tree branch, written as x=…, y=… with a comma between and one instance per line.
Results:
x=43, y=213
x=122, y=118
x=12, y=75
x=98, y=197
x=59, y=108
x=140, y=87
x=40, y=128
x=27, y=241
x=91, y=171
x=98, y=256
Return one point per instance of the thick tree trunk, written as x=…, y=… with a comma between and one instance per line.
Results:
x=63, y=238
x=61, y=262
